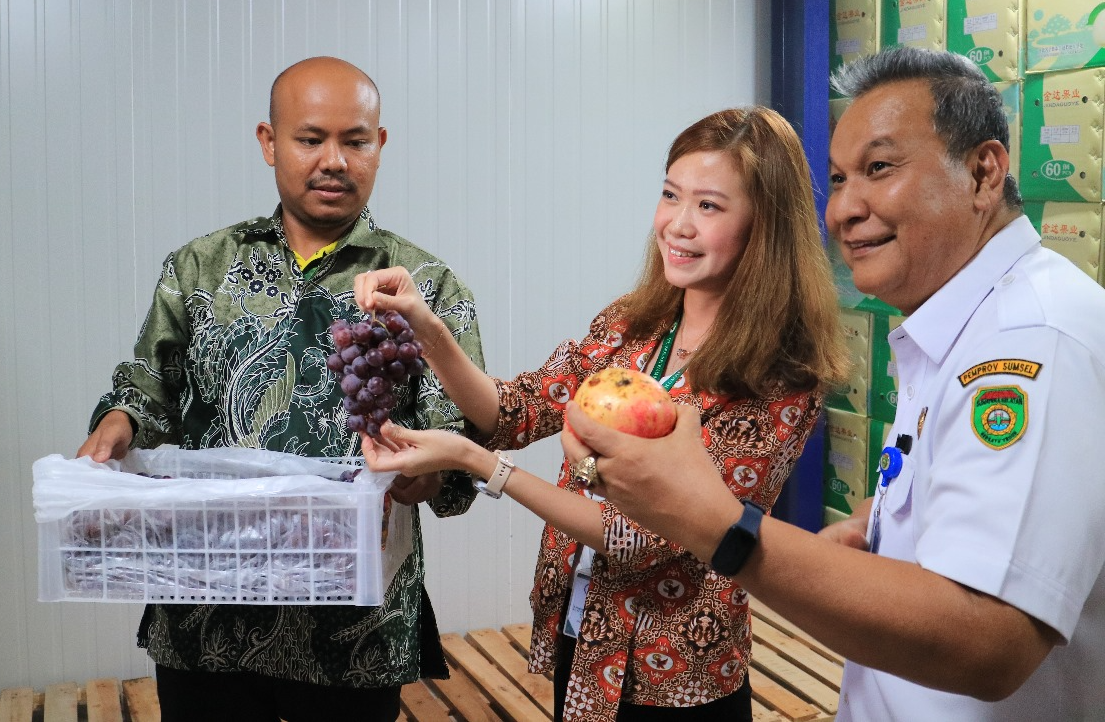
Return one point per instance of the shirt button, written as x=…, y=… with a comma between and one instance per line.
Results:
x=1007, y=279
x=909, y=391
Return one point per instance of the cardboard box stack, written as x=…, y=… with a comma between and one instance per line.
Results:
x=860, y=413
x=1062, y=140
x=861, y=410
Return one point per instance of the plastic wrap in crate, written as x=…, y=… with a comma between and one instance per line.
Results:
x=229, y=525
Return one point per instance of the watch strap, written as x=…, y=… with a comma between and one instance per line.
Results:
x=739, y=541
x=493, y=487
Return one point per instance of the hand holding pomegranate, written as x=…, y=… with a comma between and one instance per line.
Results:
x=626, y=400
x=659, y=483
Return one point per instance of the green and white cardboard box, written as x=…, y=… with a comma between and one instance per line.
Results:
x=1061, y=136
x=854, y=394
x=845, y=480
x=919, y=23
x=883, y=384
x=1011, y=105
x=853, y=30
x=877, y=371
x=871, y=388
x=989, y=33
x=1073, y=230
x=1063, y=35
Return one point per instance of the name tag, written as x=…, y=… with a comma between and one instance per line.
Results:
x=574, y=618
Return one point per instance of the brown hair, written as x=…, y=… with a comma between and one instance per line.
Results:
x=778, y=321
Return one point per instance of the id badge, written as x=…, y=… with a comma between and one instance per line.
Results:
x=578, y=600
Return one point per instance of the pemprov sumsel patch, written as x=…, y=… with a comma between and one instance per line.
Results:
x=999, y=415
x=1014, y=366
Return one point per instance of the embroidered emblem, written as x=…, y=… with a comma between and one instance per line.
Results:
x=1014, y=366
x=921, y=420
x=999, y=415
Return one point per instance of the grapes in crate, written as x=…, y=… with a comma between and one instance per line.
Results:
x=373, y=357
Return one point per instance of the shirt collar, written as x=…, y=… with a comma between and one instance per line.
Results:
x=938, y=322
x=318, y=256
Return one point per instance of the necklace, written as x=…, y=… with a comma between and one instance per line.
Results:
x=683, y=353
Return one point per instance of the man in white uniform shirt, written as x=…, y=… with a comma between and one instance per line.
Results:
x=971, y=586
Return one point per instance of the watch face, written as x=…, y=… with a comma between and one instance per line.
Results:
x=481, y=486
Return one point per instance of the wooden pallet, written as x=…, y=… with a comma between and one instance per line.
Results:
x=794, y=679
x=100, y=700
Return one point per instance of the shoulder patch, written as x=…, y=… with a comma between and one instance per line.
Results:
x=1015, y=366
x=999, y=415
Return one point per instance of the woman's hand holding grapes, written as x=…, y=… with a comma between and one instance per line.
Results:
x=464, y=382
x=414, y=453
x=393, y=289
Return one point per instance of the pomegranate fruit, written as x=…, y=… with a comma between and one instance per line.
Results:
x=629, y=401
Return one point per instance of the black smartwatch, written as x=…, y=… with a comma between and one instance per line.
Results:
x=737, y=544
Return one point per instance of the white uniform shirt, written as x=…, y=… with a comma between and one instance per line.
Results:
x=1002, y=388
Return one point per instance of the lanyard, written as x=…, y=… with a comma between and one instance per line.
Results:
x=662, y=358
x=890, y=466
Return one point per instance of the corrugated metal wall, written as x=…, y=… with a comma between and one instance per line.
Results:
x=526, y=145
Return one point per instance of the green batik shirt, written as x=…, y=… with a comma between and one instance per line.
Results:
x=233, y=353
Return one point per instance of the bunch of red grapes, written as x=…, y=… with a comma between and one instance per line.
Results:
x=373, y=357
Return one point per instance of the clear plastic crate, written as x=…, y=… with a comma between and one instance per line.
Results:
x=230, y=526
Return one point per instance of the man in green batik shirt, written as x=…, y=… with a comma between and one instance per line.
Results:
x=233, y=353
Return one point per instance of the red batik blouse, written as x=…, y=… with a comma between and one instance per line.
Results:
x=659, y=626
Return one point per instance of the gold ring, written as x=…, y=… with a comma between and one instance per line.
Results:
x=586, y=471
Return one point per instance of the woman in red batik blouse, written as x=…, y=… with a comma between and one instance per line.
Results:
x=736, y=315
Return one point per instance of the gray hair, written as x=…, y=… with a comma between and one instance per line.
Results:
x=967, y=108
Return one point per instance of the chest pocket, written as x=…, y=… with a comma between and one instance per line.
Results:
x=899, y=494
